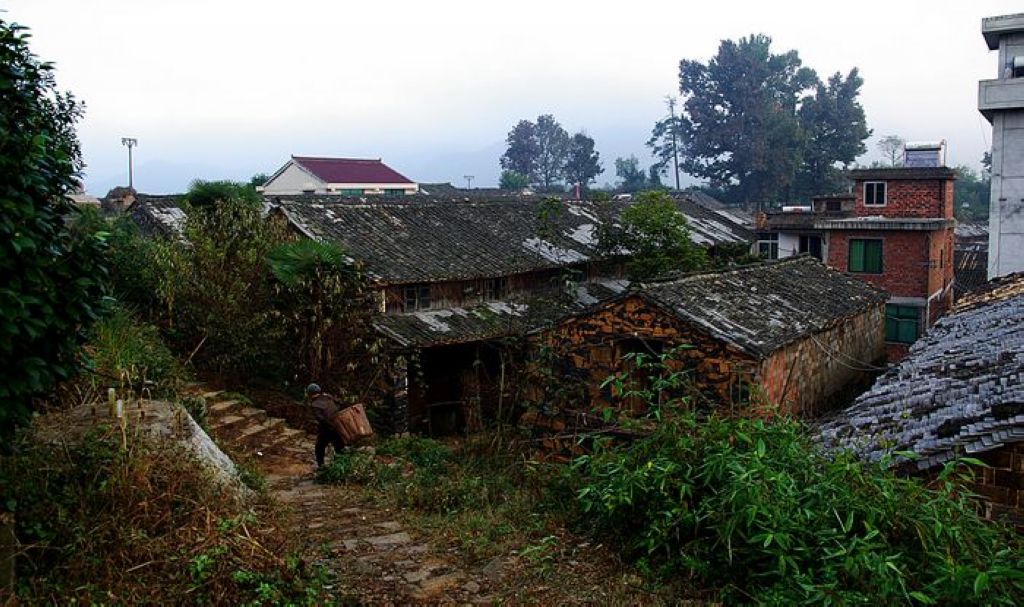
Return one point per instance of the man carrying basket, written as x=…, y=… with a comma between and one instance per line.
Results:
x=324, y=408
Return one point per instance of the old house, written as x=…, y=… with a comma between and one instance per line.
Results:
x=791, y=333
x=158, y=215
x=792, y=230
x=900, y=239
x=344, y=176
x=959, y=392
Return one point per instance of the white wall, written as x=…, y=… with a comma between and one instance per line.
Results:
x=1006, y=213
x=292, y=181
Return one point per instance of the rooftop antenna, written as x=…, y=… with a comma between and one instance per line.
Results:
x=469, y=181
x=130, y=142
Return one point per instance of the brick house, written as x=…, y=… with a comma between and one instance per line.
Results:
x=792, y=334
x=899, y=238
x=959, y=392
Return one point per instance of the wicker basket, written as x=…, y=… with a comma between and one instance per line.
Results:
x=351, y=424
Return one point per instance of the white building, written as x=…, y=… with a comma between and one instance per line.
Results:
x=1001, y=101
x=345, y=176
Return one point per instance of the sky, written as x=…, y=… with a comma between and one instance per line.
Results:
x=225, y=89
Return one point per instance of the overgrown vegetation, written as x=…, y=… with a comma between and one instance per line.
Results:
x=53, y=271
x=751, y=510
x=100, y=524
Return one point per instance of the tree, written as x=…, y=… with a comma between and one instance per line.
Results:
x=258, y=180
x=552, y=151
x=657, y=237
x=583, y=164
x=665, y=140
x=892, y=147
x=204, y=194
x=971, y=194
x=633, y=178
x=513, y=181
x=522, y=151
x=986, y=164
x=835, y=129
x=52, y=263
x=739, y=121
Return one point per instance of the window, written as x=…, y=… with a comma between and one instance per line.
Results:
x=865, y=256
x=351, y=192
x=416, y=297
x=874, y=194
x=394, y=192
x=812, y=245
x=493, y=288
x=833, y=206
x=901, y=323
x=768, y=246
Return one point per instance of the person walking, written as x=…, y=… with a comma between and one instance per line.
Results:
x=324, y=408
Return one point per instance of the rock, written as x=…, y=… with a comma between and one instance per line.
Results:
x=471, y=586
x=390, y=525
x=392, y=539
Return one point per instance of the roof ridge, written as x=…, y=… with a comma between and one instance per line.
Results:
x=345, y=158
x=686, y=276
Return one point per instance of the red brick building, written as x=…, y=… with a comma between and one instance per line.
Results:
x=899, y=238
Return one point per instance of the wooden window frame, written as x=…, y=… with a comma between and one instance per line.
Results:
x=874, y=193
x=861, y=267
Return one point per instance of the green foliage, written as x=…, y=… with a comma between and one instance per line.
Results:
x=52, y=266
x=753, y=120
x=358, y=468
x=520, y=156
x=750, y=507
x=632, y=178
x=657, y=234
x=971, y=195
x=127, y=354
x=145, y=525
x=539, y=150
x=582, y=164
x=205, y=195
x=513, y=181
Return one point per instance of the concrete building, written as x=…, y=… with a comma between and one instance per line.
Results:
x=344, y=176
x=1001, y=101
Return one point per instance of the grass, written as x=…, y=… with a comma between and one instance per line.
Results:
x=99, y=524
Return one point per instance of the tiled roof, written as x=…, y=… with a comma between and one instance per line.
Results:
x=491, y=320
x=351, y=170
x=427, y=240
x=158, y=215
x=960, y=389
x=763, y=307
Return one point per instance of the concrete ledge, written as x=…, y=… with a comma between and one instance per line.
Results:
x=885, y=223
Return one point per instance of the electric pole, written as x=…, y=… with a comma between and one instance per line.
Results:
x=469, y=181
x=671, y=101
x=130, y=142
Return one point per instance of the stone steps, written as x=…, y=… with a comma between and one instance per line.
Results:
x=244, y=425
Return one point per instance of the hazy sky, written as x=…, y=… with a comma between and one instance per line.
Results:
x=226, y=89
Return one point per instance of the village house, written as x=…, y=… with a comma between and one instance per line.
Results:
x=959, y=392
x=343, y=176
x=792, y=335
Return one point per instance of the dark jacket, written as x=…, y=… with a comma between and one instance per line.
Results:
x=324, y=409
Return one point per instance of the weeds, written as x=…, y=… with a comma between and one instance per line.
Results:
x=102, y=525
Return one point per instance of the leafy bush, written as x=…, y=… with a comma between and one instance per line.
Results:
x=145, y=525
x=358, y=468
x=52, y=270
x=127, y=354
x=658, y=236
x=750, y=508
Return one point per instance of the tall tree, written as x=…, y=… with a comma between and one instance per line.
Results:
x=512, y=181
x=522, y=150
x=835, y=129
x=583, y=164
x=892, y=147
x=53, y=266
x=658, y=236
x=739, y=121
x=552, y=151
x=666, y=137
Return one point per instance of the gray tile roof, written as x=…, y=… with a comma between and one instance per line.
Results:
x=491, y=320
x=763, y=307
x=960, y=389
x=158, y=215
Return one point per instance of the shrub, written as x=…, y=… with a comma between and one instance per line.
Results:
x=750, y=508
x=145, y=525
x=52, y=270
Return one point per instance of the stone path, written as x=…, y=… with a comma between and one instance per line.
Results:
x=370, y=555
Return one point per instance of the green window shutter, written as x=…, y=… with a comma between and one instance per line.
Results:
x=856, y=257
x=901, y=323
x=873, y=256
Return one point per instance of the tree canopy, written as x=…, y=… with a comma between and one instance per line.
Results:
x=657, y=236
x=543, y=152
x=52, y=263
x=762, y=126
x=583, y=164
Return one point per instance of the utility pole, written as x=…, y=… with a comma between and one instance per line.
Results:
x=671, y=101
x=130, y=142
x=469, y=181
